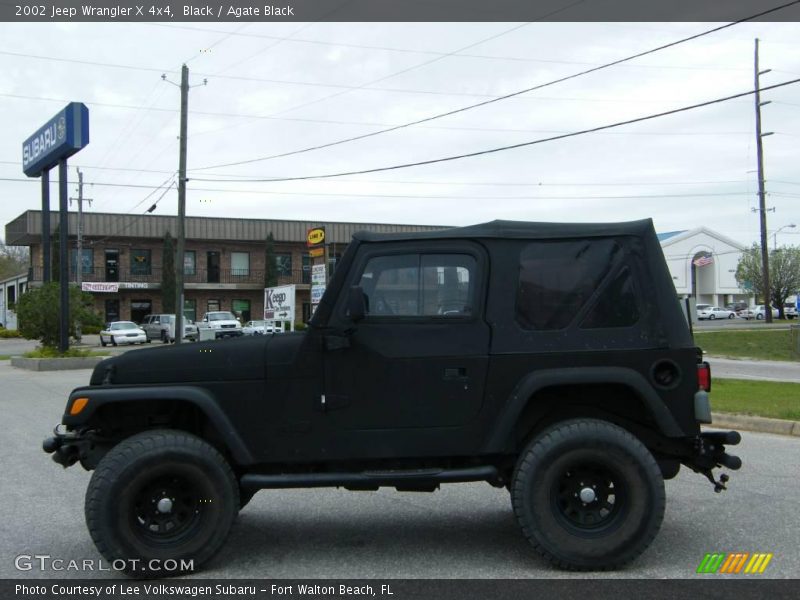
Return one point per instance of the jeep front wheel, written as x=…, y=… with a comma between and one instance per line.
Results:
x=588, y=495
x=160, y=503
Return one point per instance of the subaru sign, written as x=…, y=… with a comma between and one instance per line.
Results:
x=61, y=137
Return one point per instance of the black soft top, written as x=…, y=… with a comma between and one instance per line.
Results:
x=519, y=229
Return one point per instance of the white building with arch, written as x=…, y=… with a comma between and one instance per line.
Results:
x=703, y=265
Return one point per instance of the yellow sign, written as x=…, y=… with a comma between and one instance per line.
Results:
x=316, y=252
x=315, y=236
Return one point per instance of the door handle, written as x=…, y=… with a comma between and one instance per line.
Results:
x=455, y=372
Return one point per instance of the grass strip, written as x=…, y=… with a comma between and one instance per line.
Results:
x=770, y=344
x=776, y=400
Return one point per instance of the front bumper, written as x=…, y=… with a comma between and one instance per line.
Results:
x=223, y=333
x=67, y=447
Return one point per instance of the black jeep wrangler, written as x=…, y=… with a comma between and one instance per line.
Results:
x=550, y=359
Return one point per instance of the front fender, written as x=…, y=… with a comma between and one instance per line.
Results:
x=199, y=397
x=538, y=380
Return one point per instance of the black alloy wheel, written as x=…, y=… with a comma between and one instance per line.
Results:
x=159, y=496
x=588, y=495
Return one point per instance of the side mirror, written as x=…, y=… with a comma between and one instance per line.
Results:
x=356, y=304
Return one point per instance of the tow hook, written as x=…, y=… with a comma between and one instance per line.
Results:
x=710, y=453
x=63, y=447
x=718, y=485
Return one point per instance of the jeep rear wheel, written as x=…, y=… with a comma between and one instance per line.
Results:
x=588, y=495
x=161, y=495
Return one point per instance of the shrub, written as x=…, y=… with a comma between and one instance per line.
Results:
x=50, y=352
x=38, y=313
x=9, y=333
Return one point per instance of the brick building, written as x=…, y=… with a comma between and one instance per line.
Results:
x=122, y=259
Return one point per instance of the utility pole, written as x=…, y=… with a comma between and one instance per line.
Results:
x=80, y=200
x=179, y=254
x=181, y=207
x=761, y=194
x=79, y=258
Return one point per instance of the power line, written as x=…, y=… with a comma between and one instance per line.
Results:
x=433, y=197
x=135, y=219
x=523, y=144
x=439, y=53
x=493, y=100
x=372, y=124
x=402, y=182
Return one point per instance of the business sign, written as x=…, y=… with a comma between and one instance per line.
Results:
x=318, y=283
x=315, y=237
x=113, y=288
x=318, y=274
x=279, y=303
x=62, y=136
x=316, y=294
x=108, y=288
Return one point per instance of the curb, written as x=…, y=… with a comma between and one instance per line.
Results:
x=55, y=364
x=761, y=424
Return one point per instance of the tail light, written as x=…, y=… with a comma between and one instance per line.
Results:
x=704, y=376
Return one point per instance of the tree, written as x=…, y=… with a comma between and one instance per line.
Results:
x=784, y=274
x=38, y=312
x=168, y=280
x=270, y=263
x=13, y=260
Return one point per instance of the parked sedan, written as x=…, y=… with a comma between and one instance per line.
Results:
x=759, y=312
x=261, y=328
x=715, y=312
x=122, y=332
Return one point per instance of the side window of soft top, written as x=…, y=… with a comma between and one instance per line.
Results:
x=420, y=285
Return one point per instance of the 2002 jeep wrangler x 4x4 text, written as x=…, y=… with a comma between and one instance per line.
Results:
x=552, y=359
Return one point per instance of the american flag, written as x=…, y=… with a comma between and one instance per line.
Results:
x=702, y=261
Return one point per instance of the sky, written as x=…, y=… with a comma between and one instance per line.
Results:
x=279, y=88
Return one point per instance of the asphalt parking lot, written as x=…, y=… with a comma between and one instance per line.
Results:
x=461, y=531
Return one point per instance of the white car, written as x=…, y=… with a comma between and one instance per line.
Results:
x=790, y=310
x=224, y=324
x=262, y=328
x=122, y=332
x=715, y=312
x=759, y=312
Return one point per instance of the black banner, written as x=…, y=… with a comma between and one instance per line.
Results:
x=398, y=589
x=394, y=10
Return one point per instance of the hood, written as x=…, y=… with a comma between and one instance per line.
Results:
x=237, y=359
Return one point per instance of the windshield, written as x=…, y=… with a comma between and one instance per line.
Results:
x=124, y=325
x=221, y=316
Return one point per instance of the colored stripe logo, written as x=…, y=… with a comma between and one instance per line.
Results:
x=735, y=563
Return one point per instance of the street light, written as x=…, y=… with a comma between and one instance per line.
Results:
x=777, y=231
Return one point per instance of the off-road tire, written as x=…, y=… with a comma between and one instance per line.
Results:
x=606, y=460
x=126, y=490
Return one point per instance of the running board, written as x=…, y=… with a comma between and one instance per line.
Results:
x=370, y=479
